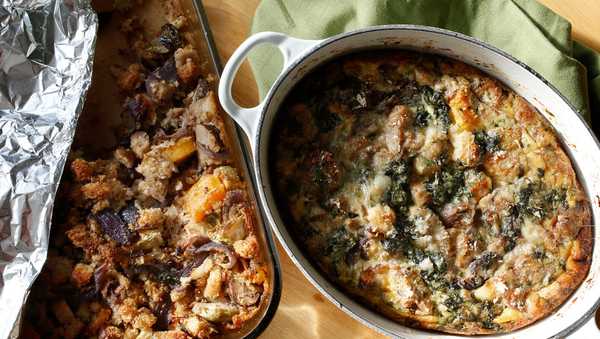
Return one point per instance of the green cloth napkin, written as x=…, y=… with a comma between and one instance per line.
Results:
x=524, y=28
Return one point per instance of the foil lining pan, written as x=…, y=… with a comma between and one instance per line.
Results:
x=46, y=55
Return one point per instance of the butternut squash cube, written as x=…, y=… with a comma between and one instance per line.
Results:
x=507, y=315
x=487, y=291
x=180, y=150
x=201, y=197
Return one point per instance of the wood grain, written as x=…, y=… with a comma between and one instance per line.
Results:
x=303, y=311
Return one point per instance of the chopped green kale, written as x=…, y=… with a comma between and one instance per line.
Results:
x=434, y=103
x=453, y=301
x=398, y=195
x=534, y=200
x=510, y=227
x=341, y=244
x=428, y=104
x=556, y=198
x=488, y=312
x=421, y=118
x=445, y=185
x=488, y=142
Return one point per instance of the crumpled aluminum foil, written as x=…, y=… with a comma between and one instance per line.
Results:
x=46, y=54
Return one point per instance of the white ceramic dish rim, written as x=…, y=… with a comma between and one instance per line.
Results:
x=296, y=52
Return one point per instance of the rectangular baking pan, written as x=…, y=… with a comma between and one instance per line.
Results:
x=242, y=149
x=101, y=115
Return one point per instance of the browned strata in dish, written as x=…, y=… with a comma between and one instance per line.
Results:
x=420, y=137
x=154, y=233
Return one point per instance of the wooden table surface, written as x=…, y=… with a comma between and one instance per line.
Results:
x=303, y=311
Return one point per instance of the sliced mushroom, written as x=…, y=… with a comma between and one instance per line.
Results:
x=216, y=312
x=232, y=198
x=105, y=280
x=217, y=247
x=202, y=89
x=456, y=214
x=479, y=270
x=190, y=244
x=243, y=292
x=209, y=136
x=211, y=149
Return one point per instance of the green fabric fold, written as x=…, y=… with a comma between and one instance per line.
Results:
x=523, y=28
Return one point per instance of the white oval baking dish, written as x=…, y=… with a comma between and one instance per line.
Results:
x=302, y=56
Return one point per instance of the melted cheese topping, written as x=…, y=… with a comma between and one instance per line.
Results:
x=433, y=192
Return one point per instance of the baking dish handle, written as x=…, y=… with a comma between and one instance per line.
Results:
x=291, y=49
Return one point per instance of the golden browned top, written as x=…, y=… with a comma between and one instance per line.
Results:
x=431, y=191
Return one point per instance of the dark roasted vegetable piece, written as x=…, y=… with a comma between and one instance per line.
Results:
x=162, y=312
x=113, y=226
x=169, y=37
x=196, y=261
x=167, y=71
x=165, y=273
x=193, y=242
x=138, y=106
x=210, y=146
